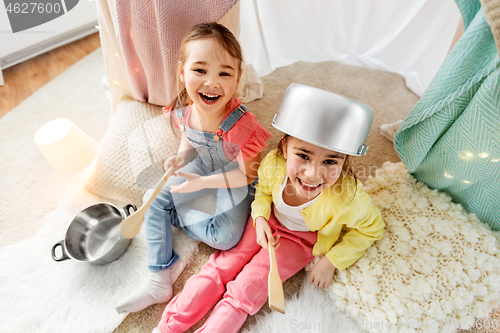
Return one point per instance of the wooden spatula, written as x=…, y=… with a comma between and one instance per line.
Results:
x=276, y=296
x=131, y=225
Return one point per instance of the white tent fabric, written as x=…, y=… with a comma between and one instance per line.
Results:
x=410, y=38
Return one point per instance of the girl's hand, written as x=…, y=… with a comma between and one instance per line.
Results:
x=193, y=183
x=171, y=162
x=322, y=273
x=265, y=234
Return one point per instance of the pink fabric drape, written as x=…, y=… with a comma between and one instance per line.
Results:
x=149, y=34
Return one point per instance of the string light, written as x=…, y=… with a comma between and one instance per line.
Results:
x=483, y=155
x=466, y=155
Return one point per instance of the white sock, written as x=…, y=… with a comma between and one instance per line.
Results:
x=157, y=289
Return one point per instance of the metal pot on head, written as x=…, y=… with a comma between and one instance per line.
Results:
x=94, y=235
x=341, y=123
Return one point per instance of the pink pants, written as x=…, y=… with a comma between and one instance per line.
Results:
x=239, y=274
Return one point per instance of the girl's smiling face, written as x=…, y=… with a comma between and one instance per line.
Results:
x=310, y=169
x=211, y=76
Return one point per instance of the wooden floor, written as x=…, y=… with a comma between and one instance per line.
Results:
x=25, y=78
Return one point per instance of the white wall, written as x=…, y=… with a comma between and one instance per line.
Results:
x=20, y=46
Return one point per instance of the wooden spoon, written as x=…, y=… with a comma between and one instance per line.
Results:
x=276, y=296
x=131, y=225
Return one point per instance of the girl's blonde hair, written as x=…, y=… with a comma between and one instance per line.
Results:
x=214, y=30
x=347, y=168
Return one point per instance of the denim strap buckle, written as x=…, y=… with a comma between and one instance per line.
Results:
x=230, y=121
x=179, y=113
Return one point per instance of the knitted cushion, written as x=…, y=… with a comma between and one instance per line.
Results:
x=436, y=267
x=131, y=153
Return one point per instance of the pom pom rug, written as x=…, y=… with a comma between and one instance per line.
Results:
x=436, y=269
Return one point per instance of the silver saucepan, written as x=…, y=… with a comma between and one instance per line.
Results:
x=94, y=235
x=340, y=123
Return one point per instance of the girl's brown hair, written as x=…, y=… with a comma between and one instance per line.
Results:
x=347, y=168
x=214, y=30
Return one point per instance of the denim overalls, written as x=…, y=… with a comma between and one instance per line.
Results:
x=221, y=231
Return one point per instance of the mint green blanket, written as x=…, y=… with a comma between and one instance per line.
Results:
x=450, y=140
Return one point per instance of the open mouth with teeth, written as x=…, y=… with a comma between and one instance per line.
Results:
x=308, y=186
x=209, y=98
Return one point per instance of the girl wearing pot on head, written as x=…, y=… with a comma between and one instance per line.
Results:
x=219, y=152
x=306, y=195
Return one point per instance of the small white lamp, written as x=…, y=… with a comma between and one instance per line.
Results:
x=67, y=148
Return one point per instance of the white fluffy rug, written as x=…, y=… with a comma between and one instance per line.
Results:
x=311, y=311
x=41, y=295
x=38, y=294
x=436, y=269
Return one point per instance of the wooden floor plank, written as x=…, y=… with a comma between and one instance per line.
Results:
x=25, y=78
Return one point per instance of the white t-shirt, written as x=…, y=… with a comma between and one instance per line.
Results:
x=290, y=216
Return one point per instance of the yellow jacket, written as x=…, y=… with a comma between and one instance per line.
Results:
x=337, y=207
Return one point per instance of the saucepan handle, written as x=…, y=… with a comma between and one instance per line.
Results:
x=126, y=209
x=64, y=255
